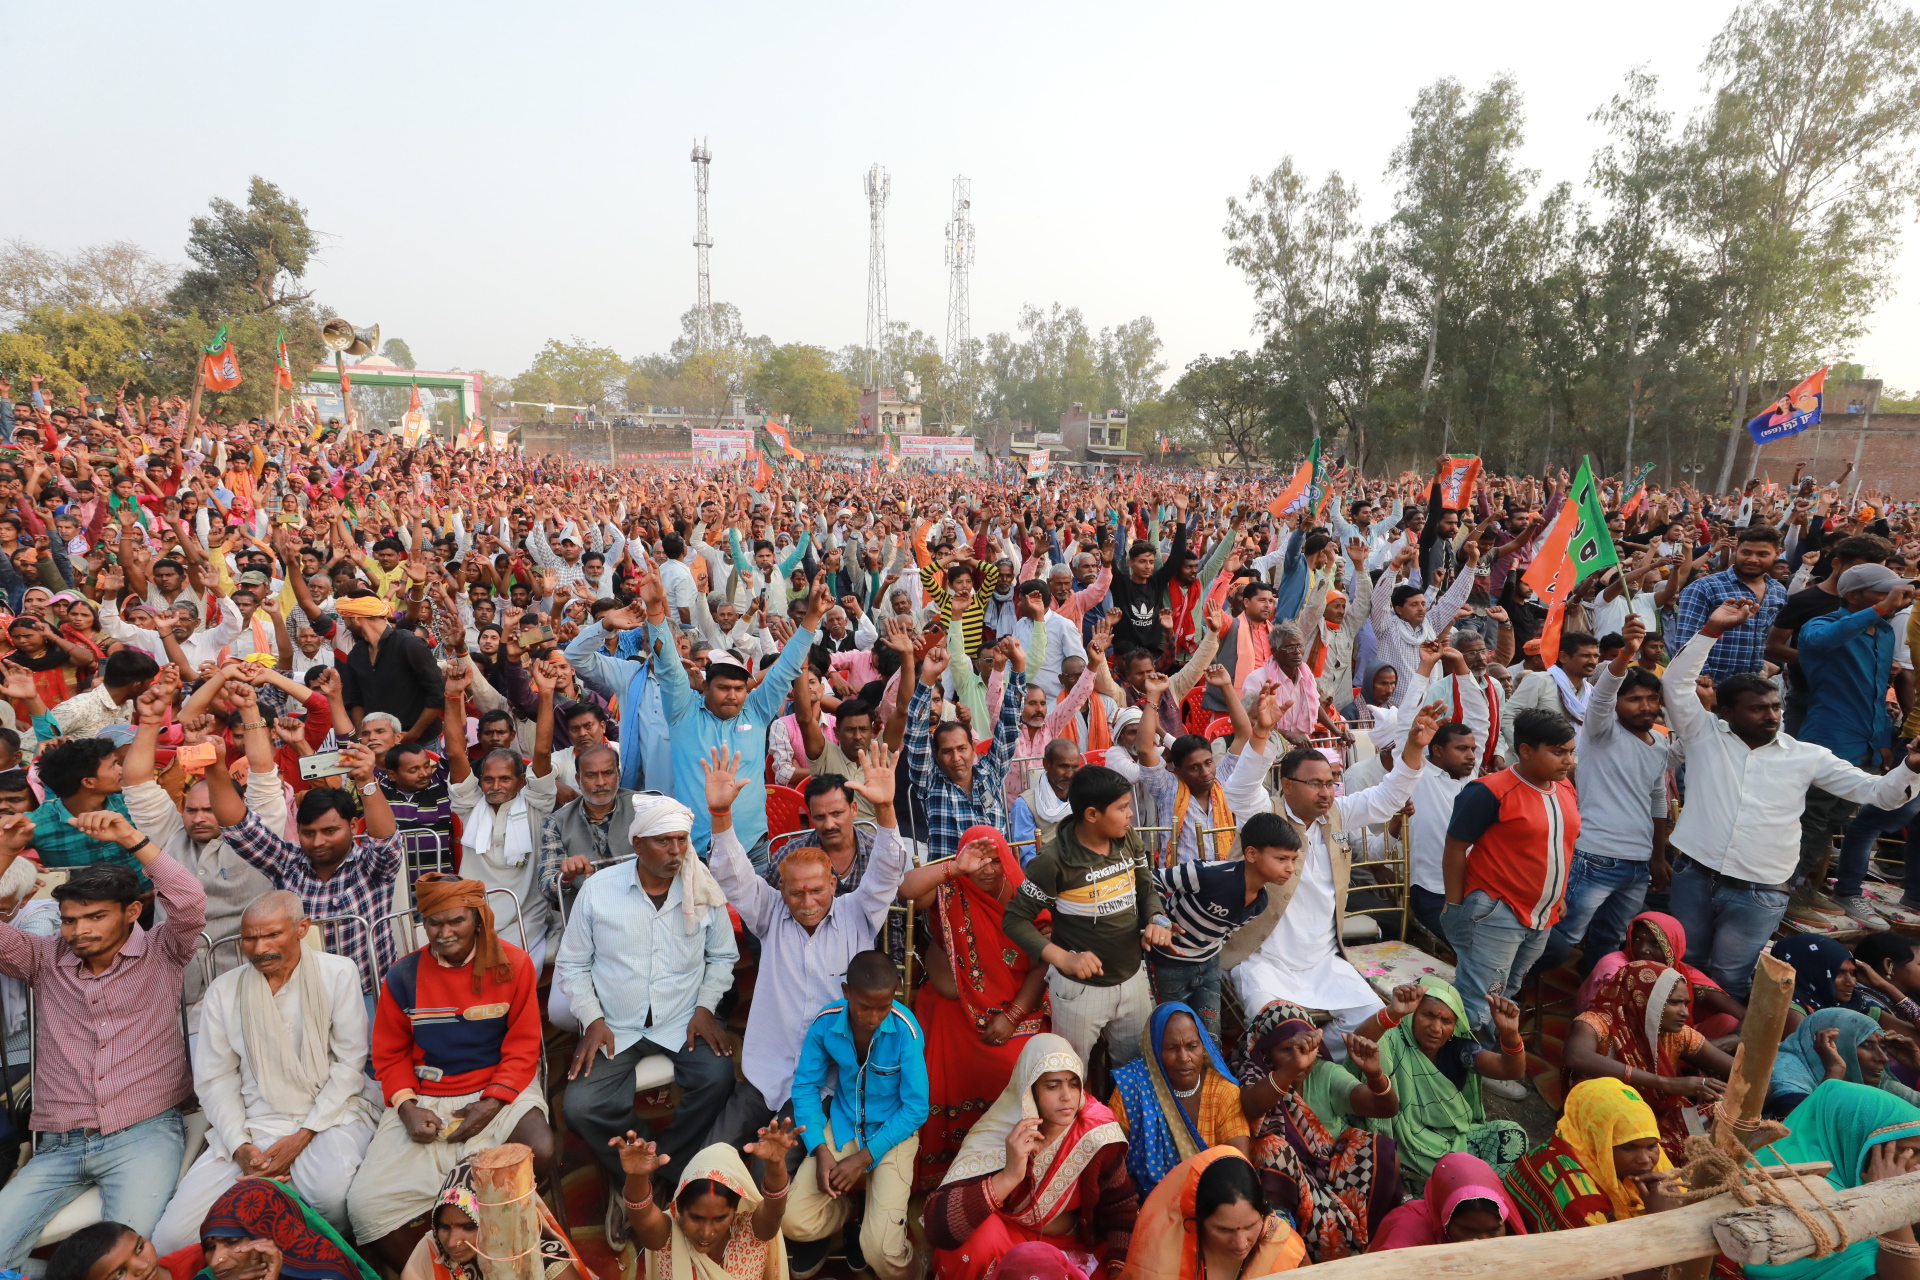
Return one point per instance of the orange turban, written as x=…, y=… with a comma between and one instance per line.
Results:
x=436, y=892
x=361, y=607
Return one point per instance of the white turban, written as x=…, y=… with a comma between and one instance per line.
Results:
x=1124, y=717
x=659, y=816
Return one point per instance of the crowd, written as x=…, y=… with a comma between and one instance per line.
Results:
x=981, y=860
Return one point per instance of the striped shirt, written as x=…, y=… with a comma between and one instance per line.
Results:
x=1522, y=838
x=111, y=1052
x=1206, y=901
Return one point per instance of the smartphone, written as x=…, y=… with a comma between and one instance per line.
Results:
x=196, y=757
x=535, y=635
x=96, y=399
x=322, y=764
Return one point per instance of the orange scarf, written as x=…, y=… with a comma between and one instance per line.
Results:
x=1217, y=810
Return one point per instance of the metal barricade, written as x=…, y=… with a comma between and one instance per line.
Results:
x=214, y=944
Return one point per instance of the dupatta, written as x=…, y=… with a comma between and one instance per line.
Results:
x=260, y=1208
x=1160, y=1132
x=1840, y=1122
x=1166, y=1239
x=457, y=1190
x=1434, y=1113
x=722, y=1164
x=987, y=977
x=1054, y=1172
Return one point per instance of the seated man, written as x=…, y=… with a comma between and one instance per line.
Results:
x=807, y=937
x=960, y=787
x=415, y=784
x=645, y=972
x=588, y=829
x=833, y=806
x=274, y=1109
x=456, y=1048
x=1038, y=810
x=860, y=1097
x=111, y=1060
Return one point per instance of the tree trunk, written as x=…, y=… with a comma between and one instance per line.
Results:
x=1739, y=409
x=509, y=1214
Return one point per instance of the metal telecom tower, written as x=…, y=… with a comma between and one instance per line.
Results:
x=878, y=185
x=959, y=335
x=703, y=307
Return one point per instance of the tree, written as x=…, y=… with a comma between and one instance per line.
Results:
x=1794, y=178
x=397, y=350
x=800, y=380
x=573, y=373
x=1128, y=358
x=247, y=260
x=106, y=276
x=1227, y=406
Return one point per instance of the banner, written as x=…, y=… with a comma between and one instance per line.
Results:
x=951, y=448
x=1576, y=547
x=473, y=435
x=1793, y=412
x=720, y=444
x=1459, y=473
x=886, y=452
x=1036, y=464
x=503, y=437
x=220, y=366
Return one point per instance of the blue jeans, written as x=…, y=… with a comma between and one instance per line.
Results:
x=1428, y=909
x=1493, y=949
x=1857, y=846
x=1726, y=925
x=1193, y=984
x=135, y=1169
x=1603, y=894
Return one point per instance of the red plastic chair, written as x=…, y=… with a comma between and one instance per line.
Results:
x=1096, y=756
x=786, y=809
x=1221, y=727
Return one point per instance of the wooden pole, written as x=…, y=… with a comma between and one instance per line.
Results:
x=1596, y=1253
x=1752, y=1072
x=509, y=1214
x=1770, y=1234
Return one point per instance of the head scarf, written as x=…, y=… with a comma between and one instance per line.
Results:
x=1456, y=1179
x=1601, y=1114
x=700, y=893
x=985, y=1148
x=1816, y=961
x=1841, y=1123
x=262, y=1209
x=1672, y=937
x=1633, y=1000
x=1166, y=1244
x=1439, y=1105
x=436, y=892
x=722, y=1164
x=361, y=607
x=457, y=1190
x=1799, y=1070
x=1160, y=1134
x=1037, y=1260
x=1275, y=1024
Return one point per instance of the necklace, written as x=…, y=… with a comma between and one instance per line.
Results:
x=1184, y=1093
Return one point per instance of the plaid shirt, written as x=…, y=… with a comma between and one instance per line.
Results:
x=950, y=811
x=862, y=853
x=60, y=844
x=1742, y=649
x=362, y=886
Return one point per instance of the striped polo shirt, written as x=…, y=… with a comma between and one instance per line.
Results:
x=1522, y=838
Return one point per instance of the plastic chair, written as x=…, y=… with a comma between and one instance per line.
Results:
x=786, y=809
x=1219, y=727
x=1096, y=756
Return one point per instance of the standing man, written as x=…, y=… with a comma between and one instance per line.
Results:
x=390, y=670
x=1738, y=837
x=112, y=1063
x=1402, y=622
x=1509, y=848
x=1624, y=819
x=1565, y=688
x=1453, y=759
x=1749, y=577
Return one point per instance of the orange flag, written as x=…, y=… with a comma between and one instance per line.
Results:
x=1291, y=494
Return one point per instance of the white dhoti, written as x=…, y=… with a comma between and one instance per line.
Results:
x=399, y=1178
x=321, y=1174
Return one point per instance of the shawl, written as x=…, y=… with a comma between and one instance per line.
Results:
x=719, y=1163
x=287, y=1079
x=1166, y=1242
x=1631, y=1004
x=1456, y=1179
x=1816, y=961
x=1434, y=1114
x=1160, y=1134
x=1601, y=1115
x=1673, y=946
x=988, y=970
x=1840, y=1122
x=1030, y=1260
x=457, y=1190
x=1573, y=698
x=1055, y=1169
x=1799, y=1070
x=1220, y=820
x=260, y=1208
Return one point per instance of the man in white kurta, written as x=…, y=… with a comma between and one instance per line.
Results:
x=280, y=1072
x=1300, y=959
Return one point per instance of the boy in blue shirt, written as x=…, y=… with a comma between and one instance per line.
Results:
x=864, y=1059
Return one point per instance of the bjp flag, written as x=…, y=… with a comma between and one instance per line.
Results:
x=1576, y=547
x=1459, y=473
x=220, y=365
x=283, y=367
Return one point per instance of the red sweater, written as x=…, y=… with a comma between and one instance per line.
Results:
x=433, y=1035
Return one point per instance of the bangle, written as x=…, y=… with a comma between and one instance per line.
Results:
x=253, y=724
x=1376, y=1080
x=1900, y=1248
x=1518, y=1046
x=1389, y=1019
x=777, y=1195
x=1014, y=1011
x=641, y=1205
x=135, y=848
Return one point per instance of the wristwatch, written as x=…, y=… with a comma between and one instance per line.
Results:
x=368, y=788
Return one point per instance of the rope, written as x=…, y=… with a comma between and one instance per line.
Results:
x=495, y=1204
x=1710, y=1170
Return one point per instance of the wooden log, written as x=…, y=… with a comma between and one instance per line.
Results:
x=1771, y=1234
x=509, y=1216
x=1590, y=1253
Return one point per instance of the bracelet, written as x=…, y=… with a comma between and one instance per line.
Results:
x=1518, y=1046
x=1377, y=1079
x=1900, y=1248
x=1388, y=1019
x=135, y=848
x=637, y=1207
x=253, y=724
x=1014, y=1011
x=777, y=1195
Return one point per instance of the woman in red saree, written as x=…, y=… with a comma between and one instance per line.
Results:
x=982, y=1001
x=1046, y=1163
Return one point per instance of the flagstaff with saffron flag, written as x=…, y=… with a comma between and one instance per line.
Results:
x=1309, y=482
x=1577, y=546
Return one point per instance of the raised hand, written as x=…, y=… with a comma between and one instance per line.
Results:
x=724, y=784
x=877, y=784
x=774, y=1142
x=638, y=1159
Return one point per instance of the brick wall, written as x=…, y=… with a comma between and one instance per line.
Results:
x=1885, y=445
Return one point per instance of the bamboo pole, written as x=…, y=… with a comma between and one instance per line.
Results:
x=509, y=1214
x=1770, y=1234
x=1611, y=1249
x=1752, y=1072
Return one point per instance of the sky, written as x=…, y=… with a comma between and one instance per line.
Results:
x=487, y=176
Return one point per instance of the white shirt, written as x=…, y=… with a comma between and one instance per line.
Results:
x=236, y=1112
x=677, y=579
x=1742, y=815
x=1063, y=641
x=1433, y=797
x=800, y=973
x=635, y=964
